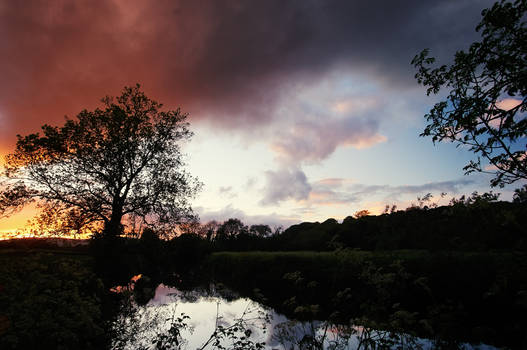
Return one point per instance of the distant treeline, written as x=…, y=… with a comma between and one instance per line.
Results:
x=465, y=225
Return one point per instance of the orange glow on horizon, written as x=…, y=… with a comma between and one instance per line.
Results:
x=15, y=225
x=27, y=234
x=18, y=226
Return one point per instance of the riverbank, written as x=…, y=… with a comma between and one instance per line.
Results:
x=59, y=296
x=455, y=296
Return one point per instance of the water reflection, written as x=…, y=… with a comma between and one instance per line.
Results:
x=209, y=318
x=215, y=317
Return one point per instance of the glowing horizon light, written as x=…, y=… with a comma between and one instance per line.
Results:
x=21, y=234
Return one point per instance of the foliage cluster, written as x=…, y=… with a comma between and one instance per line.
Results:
x=449, y=296
x=50, y=302
x=485, y=109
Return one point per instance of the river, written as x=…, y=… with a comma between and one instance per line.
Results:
x=214, y=317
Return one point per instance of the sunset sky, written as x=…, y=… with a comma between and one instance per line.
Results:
x=302, y=110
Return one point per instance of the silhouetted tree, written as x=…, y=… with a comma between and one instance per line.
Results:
x=485, y=108
x=423, y=203
x=121, y=161
x=231, y=229
x=278, y=230
x=260, y=230
x=210, y=229
x=520, y=195
x=361, y=213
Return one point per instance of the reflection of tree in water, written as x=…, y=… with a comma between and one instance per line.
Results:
x=154, y=327
x=309, y=335
x=238, y=335
x=211, y=291
x=149, y=327
x=159, y=325
x=318, y=335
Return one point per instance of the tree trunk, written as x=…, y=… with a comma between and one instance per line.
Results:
x=114, y=228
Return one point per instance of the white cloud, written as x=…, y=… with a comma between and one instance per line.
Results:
x=285, y=184
x=273, y=219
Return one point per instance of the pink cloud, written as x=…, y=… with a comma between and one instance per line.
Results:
x=329, y=198
x=313, y=141
x=508, y=103
x=356, y=104
x=332, y=182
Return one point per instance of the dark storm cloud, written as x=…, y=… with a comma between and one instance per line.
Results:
x=225, y=62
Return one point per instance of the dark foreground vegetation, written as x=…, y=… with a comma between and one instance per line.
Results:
x=50, y=301
x=450, y=297
x=454, y=274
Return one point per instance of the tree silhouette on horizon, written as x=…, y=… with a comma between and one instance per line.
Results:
x=114, y=167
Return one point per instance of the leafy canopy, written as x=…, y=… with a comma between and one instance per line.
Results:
x=115, y=167
x=485, y=108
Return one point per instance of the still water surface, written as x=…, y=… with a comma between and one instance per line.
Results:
x=217, y=318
